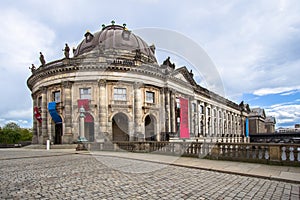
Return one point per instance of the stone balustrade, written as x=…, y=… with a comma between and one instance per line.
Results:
x=281, y=154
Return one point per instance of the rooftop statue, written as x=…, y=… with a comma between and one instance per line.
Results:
x=67, y=51
x=32, y=68
x=42, y=59
x=168, y=63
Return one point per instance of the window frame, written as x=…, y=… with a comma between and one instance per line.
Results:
x=119, y=96
x=147, y=100
x=54, y=97
x=83, y=95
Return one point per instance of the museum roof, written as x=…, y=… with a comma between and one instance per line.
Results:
x=115, y=37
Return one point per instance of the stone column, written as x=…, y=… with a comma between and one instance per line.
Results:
x=162, y=116
x=204, y=119
x=67, y=135
x=44, y=111
x=138, y=111
x=167, y=113
x=196, y=131
x=81, y=125
x=103, y=109
x=213, y=124
x=35, y=137
x=172, y=111
x=190, y=116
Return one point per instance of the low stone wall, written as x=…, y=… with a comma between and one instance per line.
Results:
x=280, y=154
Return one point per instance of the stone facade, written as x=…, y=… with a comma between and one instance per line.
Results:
x=129, y=96
x=260, y=123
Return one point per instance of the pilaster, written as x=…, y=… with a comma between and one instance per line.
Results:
x=103, y=118
x=138, y=111
x=44, y=111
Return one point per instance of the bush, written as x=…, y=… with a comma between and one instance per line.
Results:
x=11, y=133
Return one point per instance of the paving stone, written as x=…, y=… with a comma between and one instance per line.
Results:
x=44, y=175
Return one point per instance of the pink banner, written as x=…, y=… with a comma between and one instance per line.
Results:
x=85, y=104
x=37, y=114
x=184, y=118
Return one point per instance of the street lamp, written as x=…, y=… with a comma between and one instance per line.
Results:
x=81, y=138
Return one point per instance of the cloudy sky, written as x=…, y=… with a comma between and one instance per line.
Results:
x=254, y=45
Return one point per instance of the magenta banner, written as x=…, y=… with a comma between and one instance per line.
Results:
x=184, y=118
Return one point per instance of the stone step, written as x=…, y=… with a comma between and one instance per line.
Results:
x=54, y=146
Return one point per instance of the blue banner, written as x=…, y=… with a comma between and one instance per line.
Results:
x=247, y=127
x=53, y=112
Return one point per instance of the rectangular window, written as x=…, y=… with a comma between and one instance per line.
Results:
x=56, y=96
x=120, y=94
x=201, y=109
x=150, y=97
x=193, y=107
x=85, y=93
x=208, y=112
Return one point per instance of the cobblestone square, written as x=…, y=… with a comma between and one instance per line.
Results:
x=40, y=174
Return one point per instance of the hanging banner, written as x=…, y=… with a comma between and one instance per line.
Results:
x=184, y=118
x=53, y=112
x=37, y=114
x=85, y=104
x=247, y=127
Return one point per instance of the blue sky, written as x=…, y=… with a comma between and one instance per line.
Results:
x=254, y=45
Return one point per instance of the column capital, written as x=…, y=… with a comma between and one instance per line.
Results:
x=102, y=82
x=43, y=89
x=137, y=85
x=67, y=84
x=34, y=96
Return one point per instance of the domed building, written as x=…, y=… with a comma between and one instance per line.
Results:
x=113, y=89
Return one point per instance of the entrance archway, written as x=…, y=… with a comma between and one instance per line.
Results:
x=58, y=133
x=89, y=131
x=150, y=134
x=120, y=127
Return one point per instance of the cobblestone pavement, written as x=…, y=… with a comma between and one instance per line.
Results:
x=28, y=174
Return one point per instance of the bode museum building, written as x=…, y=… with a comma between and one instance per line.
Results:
x=113, y=89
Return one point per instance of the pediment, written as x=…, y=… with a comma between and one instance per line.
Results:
x=184, y=75
x=181, y=77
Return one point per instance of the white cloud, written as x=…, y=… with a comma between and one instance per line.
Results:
x=21, y=123
x=277, y=90
x=18, y=114
x=21, y=39
x=244, y=41
x=285, y=113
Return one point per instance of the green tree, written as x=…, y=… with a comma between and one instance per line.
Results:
x=11, y=133
x=11, y=126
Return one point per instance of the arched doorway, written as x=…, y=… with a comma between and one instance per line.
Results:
x=120, y=127
x=89, y=131
x=58, y=133
x=150, y=134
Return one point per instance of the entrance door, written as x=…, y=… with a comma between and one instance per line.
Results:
x=89, y=131
x=120, y=127
x=89, y=127
x=150, y=128
x=58, y=133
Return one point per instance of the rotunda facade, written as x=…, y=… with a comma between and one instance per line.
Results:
x=115, y=81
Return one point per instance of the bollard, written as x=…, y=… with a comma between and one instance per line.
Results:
x=48, y=145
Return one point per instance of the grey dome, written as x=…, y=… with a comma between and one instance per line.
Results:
x=115, y=37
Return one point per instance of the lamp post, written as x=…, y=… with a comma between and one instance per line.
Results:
x=81, y=138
